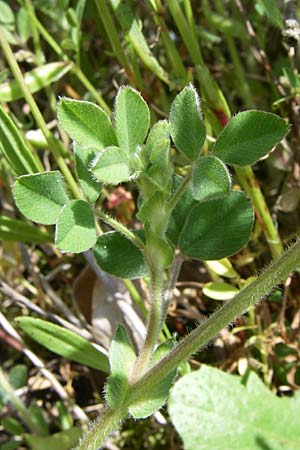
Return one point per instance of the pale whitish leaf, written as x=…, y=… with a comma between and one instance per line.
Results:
x=40, y=197
x=210, y=178
x=83, y=158
x=249, y=136
x=187, y=127
x=223, y=410
x=217, y=228
x=118, y=256
x=219, y=291
x=222, y=267
x=35, y=80
x=86, y=123
x=63, y=342
x=152, y=400
x=111, y=166
x=132, y=119
x=75, y=227
x=121, y=358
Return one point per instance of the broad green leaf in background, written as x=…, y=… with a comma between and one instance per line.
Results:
x=132, y=119
x=249, y=136
x=12, y=145
x=86, y=123
x=63, y=342
x=118, y=256
x=220, y=291
x=75, y=228
x=186, y=124
x=111, y=166
x=83, y=157
x=159, y=132
x=210, y=178
x=12, y=426
x=23, y=23
x=153, y=399
x=217, y=228
x=121, y=358
x=63, y=440
x=20, y=231
x=225, y=414
x=40, y=197
x=35, y=80
x=6, y=14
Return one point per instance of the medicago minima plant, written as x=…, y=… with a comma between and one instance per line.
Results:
x=195, y=215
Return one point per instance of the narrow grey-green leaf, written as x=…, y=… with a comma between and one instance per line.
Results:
x=83, y=158
x=217, y=228
x=63, y=342
x=186, y=124
x=86, y=123
x=249, y=136
x=210, y=179
x=152, y=400
x=13, y=147
x=75, y=228
x=133, y=33
x=132, y=118
x=20, y=231
x=118, y=256
x=41, y=196
x=122, y=358
x=35, y=80
x=111, y=166
x=221, y=404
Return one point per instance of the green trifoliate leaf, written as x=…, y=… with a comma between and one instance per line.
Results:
x=86, y=123
x=159, y=132
x=118, y=256
x=75, y=227
x=210, y=179
x=187, y=127
x=181, y=210
x=132, y=119
x=249, y=136
x=161, y=169
x=40, y=197
x=83, y=158
x=218, y=290
x=223, y=410
x=152, y=400
x=111, y=166
x=217, y=228
x=63, y=342
x=122, y=358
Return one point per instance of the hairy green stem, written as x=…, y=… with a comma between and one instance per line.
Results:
x=118, y=226
x=277, y=272
x=101, y=428
x=55, y=146
x=154, y=322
